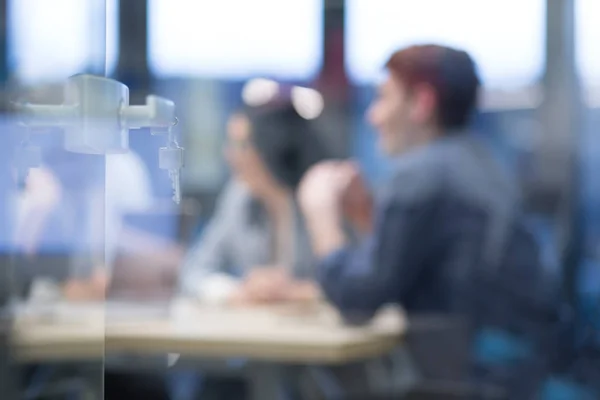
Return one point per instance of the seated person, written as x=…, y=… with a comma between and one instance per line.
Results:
x=444, y=236
x=255, y=248
x=45, y=211
x=55, y=213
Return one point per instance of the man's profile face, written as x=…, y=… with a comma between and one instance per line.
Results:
x=389, y=114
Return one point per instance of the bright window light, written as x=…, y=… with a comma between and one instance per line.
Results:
x=506, y=37
x=588, y=41
x=52, y=40
x=235, y=39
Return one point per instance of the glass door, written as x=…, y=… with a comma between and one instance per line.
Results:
x=52, y=198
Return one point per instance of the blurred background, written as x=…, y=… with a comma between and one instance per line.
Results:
x=538, y=59
x=537, y=63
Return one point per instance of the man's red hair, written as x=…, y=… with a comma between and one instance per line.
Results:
x=451, y=73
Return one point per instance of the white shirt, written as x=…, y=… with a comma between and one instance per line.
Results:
x=128, y=190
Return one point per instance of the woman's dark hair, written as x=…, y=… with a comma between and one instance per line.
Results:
x=287, y=143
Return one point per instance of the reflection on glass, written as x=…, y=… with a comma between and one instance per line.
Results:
x=235, y=38
x=52, y=40
x=506, y=37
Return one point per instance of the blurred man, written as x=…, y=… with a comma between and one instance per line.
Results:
x=443, y=236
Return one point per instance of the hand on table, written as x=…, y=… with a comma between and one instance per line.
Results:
x=266, y=284
x=269, y=285
x=92, y=289
x=303, y=291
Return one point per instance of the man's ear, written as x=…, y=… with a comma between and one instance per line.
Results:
x=424, y=101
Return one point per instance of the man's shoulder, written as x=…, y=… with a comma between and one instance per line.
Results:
x=415, y=176
x=461, y=164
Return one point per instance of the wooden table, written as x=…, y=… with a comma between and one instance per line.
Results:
x=60, y=333
x=280, y=333
x=269, y=337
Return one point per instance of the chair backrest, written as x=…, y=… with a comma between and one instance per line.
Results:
x=440, y=347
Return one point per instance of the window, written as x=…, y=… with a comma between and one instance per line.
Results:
x=587, y=36
x=235, y=39
x=52, y=40
x=506, y=37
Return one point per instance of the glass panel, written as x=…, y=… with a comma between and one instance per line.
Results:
x=507, y=45
x=281, y=39
x=52, y=234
